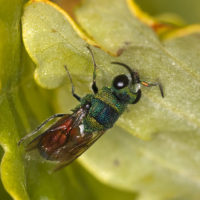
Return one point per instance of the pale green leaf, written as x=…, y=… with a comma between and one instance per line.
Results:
x=167, y=167
x=23, y=105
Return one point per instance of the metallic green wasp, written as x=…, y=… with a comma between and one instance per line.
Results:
x=74, y=133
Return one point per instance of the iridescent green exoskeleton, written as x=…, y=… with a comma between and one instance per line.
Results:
x=74, y=133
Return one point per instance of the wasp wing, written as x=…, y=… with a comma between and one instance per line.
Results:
x=65, y=140
x=71, y=154
x=55, y=127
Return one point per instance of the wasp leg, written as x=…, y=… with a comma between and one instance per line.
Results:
x=94, y=86
x=146, y=84
x=139, y=93
x=39, y=127
x=73, y=90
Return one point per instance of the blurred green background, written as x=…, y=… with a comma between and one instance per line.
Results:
x=189, y=11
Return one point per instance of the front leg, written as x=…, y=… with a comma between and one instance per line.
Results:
x=94, y=86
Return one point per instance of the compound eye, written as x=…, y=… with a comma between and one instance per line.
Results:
x=120, y=81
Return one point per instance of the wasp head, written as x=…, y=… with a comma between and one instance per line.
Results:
x=127, y=88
